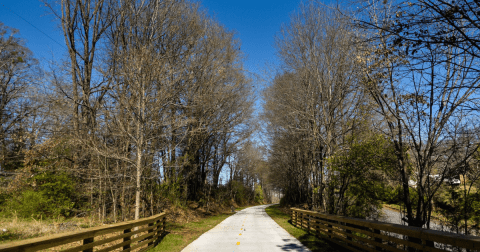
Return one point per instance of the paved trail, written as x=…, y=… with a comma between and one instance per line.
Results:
x=249, y=230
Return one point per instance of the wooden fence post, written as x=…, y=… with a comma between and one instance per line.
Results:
x=87, y=241
x=348, y=231
x=159, y=230
x=299, y=216
x=128, y=238
x=302, y=217
x=164, y=226
x=308, y=223
x=379, y=240
x=431, y=244
x=329, y=229
x=317, y=226
x=151, y=231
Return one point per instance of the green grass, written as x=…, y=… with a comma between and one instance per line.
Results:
x=179, y=236
x=310, y=241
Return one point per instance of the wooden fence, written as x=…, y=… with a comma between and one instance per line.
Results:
x=126, y=236
x=365, y=235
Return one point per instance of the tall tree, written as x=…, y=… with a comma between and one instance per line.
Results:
x=424, y=92
x=84, y=24
x=319, y=53
x=18, y=70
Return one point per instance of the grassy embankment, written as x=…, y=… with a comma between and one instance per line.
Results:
x=180, y=235
x=312, y=242
x=15, y=229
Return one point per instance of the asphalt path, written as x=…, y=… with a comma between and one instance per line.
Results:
x=249, y=230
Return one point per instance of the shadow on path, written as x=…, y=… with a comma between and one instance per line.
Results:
x=318, y=245
x=292, y=247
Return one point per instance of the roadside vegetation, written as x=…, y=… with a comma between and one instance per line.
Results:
x=184, y=222
x=450, y=208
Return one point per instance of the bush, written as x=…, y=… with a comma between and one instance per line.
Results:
x=239, y=192
x=391, y=195
x=173, y=192
x=53, y=196
x=258, y=194
x=29, y=204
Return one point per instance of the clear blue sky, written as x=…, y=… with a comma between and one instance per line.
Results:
x=255, y=22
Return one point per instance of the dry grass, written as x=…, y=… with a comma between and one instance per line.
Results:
x=20, y=229
x=12, y=229
x=15, y=229
x=185, y=222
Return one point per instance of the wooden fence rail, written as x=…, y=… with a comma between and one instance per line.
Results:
x=366, y=235
x=129, y=236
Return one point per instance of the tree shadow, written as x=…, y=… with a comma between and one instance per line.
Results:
x=293, y=247
x=319, y=245
x=160, y=238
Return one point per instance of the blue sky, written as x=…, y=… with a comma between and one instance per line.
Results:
x=255, y=23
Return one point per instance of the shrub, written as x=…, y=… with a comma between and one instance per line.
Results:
x=258, y=194
x=29, y=204
x=52, y=196
x=239, y=192
x=391, y=194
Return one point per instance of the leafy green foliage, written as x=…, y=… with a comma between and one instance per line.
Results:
x=359, y=176
x=29, y=204
x=390, y=194
x=456, y=206
x=172, y=191
x=258, y=194
x=53, y=195
x=239, y=192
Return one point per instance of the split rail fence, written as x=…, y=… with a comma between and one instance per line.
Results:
x=366, y=235
x=138, y=235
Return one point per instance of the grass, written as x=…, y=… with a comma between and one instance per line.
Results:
x=310, y=241
x=180, y=235
x=14, y=229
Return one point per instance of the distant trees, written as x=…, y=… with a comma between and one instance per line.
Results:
x=315, y=104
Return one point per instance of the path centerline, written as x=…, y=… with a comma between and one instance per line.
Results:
x=258, y=232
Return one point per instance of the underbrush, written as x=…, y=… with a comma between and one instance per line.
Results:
x=178, y=217
x=51, y=203
x=14, y=228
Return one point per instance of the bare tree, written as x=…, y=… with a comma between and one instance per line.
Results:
x=422, y=94
x=318, y=51
x=18, y=72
